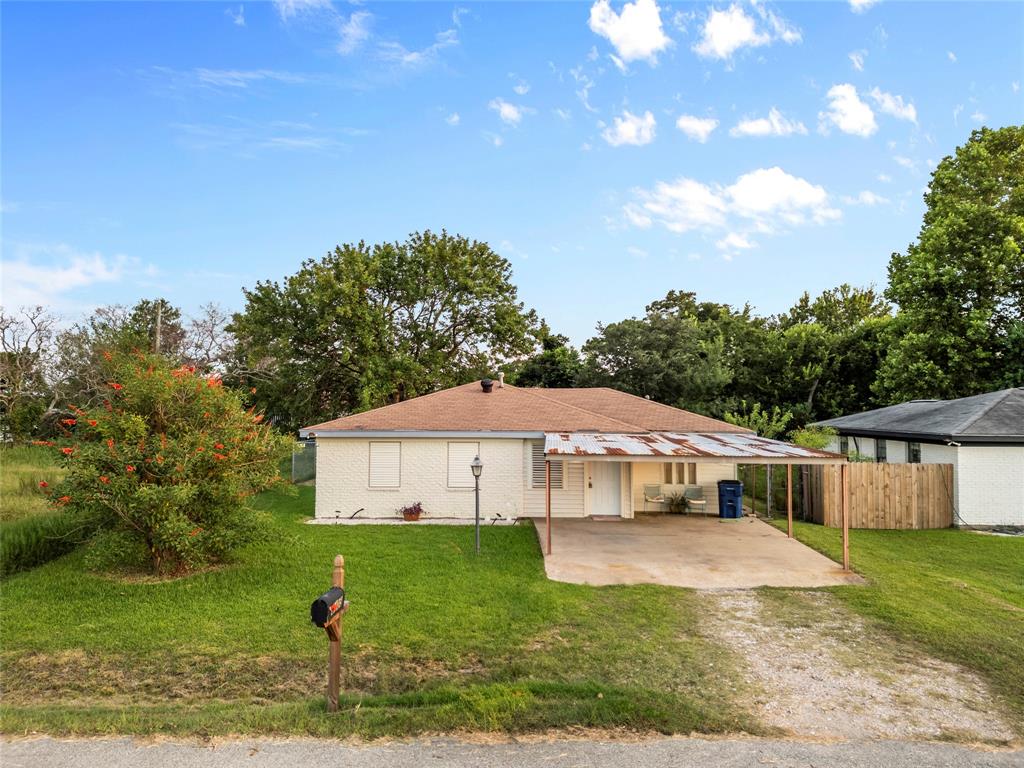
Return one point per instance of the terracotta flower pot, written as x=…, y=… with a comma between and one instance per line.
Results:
x=411, y=517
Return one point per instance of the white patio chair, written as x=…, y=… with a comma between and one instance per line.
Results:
x=653, y=494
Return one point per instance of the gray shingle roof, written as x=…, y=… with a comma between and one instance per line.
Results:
x=996, y=417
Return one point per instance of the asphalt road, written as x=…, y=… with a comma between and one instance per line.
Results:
x=660, y=753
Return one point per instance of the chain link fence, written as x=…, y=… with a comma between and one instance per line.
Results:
x=304, y=462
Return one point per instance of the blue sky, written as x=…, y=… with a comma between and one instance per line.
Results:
x=610, y=151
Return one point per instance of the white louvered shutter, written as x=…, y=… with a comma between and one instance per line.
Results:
x=537, y=469
x=459, y=457
x=385, y=465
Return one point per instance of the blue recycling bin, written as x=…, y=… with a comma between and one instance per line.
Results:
x=730, y=499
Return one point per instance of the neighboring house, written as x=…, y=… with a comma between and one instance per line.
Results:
x=603, y=447
x=981, y=436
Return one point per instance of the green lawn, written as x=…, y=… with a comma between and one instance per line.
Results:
x=958, y=594
x=436, y=639
x=21, y=470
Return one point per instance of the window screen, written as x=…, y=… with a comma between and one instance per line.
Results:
x=385, y=465
x=914, y=453
x=880, y=456
x=537, y=469
x=459, y=456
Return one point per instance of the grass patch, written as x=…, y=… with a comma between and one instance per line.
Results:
x=437, y=639
x=22, y=468
x=956, y=594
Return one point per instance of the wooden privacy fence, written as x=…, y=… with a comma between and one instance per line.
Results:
x=889, y=496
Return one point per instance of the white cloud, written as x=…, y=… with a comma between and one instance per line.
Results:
x=905, y=162
x=847, y=112
x=635, y=33
x=510, y=114
x=857, y=59
x=397, y=53
x=289, y=9
x=766, y=201
x=679, y=206
x=506, y=246
x=563, y=114
x=859, y=6
x=866, y=197
x=951, y=56
x=636, y=253
x=237, y=18
x=894, y=105
x=956, y=113
x=1015, y=86
x=635, y=130
x=44, y=274
x=453, y=119
x=521, y=87
x=885, y=178
x=697, y=128
x=583, y=91
x=354, y=32
x=776, y=124
x=979, y=116
x=493, y=138
x=243, y=78
x=770, y=195
x=735, y=242
x=727, y=31
x=457, y=15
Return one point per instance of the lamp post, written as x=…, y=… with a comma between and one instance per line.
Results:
x=478, y=467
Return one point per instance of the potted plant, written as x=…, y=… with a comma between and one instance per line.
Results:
x=676, y=503
x=412, y=512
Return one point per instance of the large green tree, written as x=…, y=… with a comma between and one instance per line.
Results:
x=558, y=363
x=960, y=287
x=368, y=325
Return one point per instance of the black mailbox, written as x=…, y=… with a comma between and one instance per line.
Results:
x=327, y=606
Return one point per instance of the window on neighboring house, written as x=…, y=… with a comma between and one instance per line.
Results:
x=844, y=445
x=691, y=471
x=667, y=473
x=913, y=453
x=537, y=470
x=880, y=456
x=460, y=475
x=385, y=465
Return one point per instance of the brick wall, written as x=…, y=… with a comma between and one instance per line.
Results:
x=990, y=484
x=342, y=479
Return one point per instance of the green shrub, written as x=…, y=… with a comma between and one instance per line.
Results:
x=170, y=460
x=40, y=538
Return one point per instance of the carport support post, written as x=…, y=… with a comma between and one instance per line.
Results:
x=547, y=503
x=789, y=500
x=844, y=507
x=334, y=663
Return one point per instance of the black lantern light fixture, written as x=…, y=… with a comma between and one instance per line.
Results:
x=477, y=467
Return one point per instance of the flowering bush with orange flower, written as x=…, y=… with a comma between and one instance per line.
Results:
x=170, y=461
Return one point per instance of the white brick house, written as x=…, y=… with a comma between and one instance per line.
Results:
x=603, y=447
x=981, y=436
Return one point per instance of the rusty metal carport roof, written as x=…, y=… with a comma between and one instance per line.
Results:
x=690, y=446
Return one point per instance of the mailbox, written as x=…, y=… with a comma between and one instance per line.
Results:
x=327, y=607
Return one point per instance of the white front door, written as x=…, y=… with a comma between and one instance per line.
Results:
x=605, y=488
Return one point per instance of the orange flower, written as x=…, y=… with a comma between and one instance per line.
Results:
x=218, y=445
x=67, y=451
x=93, y=422
x=64, y=499
x=195, y=531
x=129, y=468
x=252, y=390
x=69, y=422
x=219, y=456
x=159, y=459
x=47, y=443
x=258, y=418
x=104, y=479
x=200, y=449
x=43, y=484
x=115, y=385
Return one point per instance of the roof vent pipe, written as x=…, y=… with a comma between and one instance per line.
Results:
x=501, y=379
x=486, y=385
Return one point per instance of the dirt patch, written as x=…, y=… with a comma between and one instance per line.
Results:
x=818, y=670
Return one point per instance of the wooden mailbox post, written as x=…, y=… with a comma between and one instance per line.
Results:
x=327, y=612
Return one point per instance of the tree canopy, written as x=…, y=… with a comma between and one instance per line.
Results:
x=368, y=325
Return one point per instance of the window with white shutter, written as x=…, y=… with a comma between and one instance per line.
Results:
x=537, y=471
x=459, y=457
x=385, y=465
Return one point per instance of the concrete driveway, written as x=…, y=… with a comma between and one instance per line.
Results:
x=685, y=551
